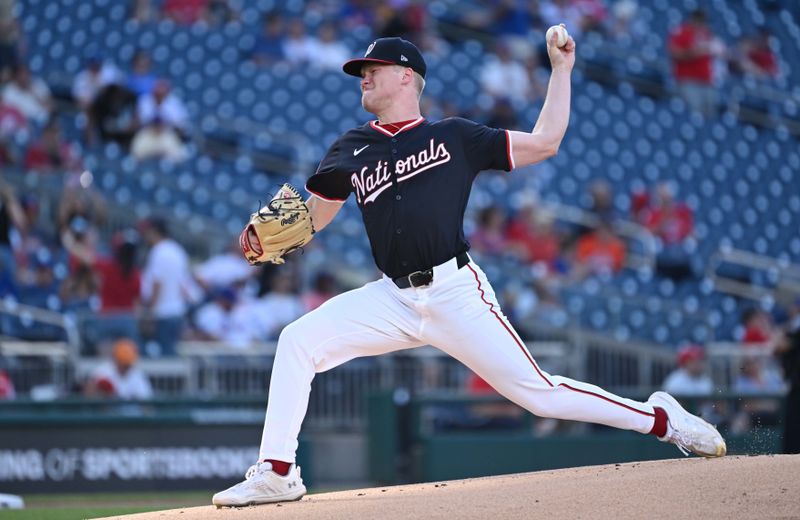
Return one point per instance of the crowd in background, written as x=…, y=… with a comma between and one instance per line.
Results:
x=141, y=284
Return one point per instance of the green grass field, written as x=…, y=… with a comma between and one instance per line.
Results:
x=97, y=505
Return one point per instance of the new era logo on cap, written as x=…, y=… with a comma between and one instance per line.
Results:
x=390, y=51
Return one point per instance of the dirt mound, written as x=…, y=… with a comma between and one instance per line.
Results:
x=731, y=487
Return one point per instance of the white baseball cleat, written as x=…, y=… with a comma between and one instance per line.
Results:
x=686, y=431
x=262, y=486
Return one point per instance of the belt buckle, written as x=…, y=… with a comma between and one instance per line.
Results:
x=421, y=278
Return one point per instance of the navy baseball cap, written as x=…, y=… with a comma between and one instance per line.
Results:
x=390, y=51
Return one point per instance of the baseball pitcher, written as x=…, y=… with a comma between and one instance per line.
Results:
x=411, y=179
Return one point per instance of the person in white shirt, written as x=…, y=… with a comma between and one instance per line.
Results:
x=166, y=286
x=158, y=141
x=690, y=378
x=163, y=104
x=119, y=376
x=226, y=269
x=30, y=95
x=281, y=306
x=298, y=47
x=504, y=77
x=329, y=52
x=90, y=81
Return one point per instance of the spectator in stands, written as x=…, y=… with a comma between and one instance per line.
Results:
x=227, y=269
x=281, y=306
x=756, y=378
x=141, y=80
x=693, y=47
x=91, y=80
x=220, y=12
x=227, y=319
x=407, y=20
x=329, y=52
x=38, y=285
x=599, y=252
x=554, y=12
x=503, y=115
x=7, y=392
x=268, y=46
x=184, y=12
x=166, y=287
x=323, y=289
x=213, y=321
x=78, y=290
x=142, y=11
x=298, y=46
x=120, y=377
x=119, y=284
x=593, y=15
x=601, y=201
x=754, y=56
x=12, y=219
x=623, y=25
x=10, y=33
x=489, y=237
x=28, y=94
x=86, y=204
x=52, y=153
x=531, y=232
x=759, y=330
x=158, y=140
x=690, y=378
x=164, y=105
x=357, y=13
x=505, y=77
x=673, y=223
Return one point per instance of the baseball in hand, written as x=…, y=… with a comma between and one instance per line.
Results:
x=563, y=37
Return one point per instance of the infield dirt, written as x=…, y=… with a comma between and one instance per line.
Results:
x=732, y=487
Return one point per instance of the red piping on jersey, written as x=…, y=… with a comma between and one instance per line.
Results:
x=510, y=150
x=326, y=199
x=409, y=126
x=533, y=363
x=519, y=343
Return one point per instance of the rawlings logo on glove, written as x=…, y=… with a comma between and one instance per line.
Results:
x=277, y=229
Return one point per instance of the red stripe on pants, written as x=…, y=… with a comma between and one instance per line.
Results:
x=533, y=363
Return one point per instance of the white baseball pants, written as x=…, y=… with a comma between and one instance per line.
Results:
x=459, y=314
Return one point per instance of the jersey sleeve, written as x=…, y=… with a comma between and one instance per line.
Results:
x=486, y=148
x=330, y=182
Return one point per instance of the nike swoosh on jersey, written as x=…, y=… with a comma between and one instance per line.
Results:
x=358, y=151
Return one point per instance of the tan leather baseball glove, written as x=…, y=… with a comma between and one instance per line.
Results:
x=277, y=229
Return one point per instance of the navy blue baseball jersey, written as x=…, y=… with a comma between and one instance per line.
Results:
x=412, y=186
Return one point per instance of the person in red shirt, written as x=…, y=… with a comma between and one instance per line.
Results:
x=119, y=284
x=531, y=233
x=672, y=222
x=754, y=56
x=51, y=153
x=693, y=47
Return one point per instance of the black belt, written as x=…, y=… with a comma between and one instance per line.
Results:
x=422, y=278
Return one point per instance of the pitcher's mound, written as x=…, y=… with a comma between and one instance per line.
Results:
x=731, y=487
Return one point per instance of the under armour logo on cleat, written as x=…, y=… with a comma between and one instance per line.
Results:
x=292, y=484
x=403, y=58
x=359, y=150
